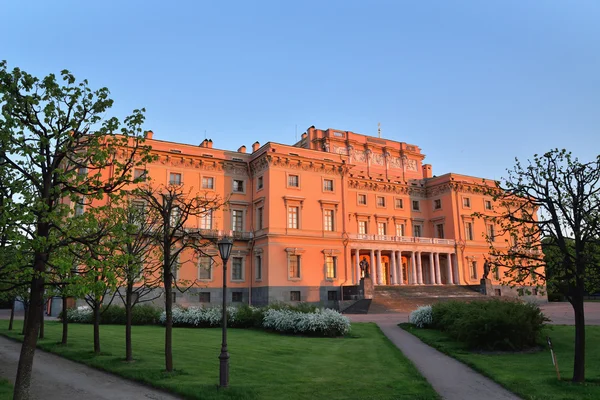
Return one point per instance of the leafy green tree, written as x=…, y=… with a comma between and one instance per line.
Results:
x=61, y=149
x=555, y=198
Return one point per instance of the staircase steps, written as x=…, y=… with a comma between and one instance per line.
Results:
x=407, y=298
x=359, y=307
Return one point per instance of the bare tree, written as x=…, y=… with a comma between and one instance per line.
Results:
x=554, y=198
x=174, y=236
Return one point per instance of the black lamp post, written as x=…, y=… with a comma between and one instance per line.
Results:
x=225, y=246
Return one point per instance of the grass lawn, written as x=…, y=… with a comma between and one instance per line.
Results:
x=6, y=389
x=364, y=365
x=530, y=375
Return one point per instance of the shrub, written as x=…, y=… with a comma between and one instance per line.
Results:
x=248, y=317
x=421, y=317
x=142, y=314
x=200, y=317
x=492, y=324
x=322, y=322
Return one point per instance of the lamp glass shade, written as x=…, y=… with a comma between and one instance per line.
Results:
x=225, y=246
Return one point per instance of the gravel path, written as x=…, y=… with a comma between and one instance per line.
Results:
x=57, y=378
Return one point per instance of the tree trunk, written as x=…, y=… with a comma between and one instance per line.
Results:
x=168, y=323
x=579, y=361
x=12, y=315
x=97, y=327
x=23, y=379
x=65, y=322
x=128, y=312
x=42, y=319
x=26, y=313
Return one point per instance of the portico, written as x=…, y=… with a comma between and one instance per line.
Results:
x=420, y=262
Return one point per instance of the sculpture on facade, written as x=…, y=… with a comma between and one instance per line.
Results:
x=486, y=269
x=364, y=267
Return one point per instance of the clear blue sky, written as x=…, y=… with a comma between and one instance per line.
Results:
x=473, y=83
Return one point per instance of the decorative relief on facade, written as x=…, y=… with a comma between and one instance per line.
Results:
x=411, y=165
x=438, y=190
x=377, y=159
x=395, y=162
x=359, y=156
x=340, y=150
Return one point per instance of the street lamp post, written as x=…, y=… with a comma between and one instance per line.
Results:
x=225, y=246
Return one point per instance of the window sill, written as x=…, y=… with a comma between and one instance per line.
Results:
x=294, y=279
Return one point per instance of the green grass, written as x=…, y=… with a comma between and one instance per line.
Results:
x=531, y=375
x=263, y=365
x=6, y=389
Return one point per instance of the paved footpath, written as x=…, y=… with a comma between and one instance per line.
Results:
x=452, y=379
x=57, y=378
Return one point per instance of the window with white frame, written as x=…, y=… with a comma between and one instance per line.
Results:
x=293, y=212
x=175, y=266
x=258, y=268
x=399, y=203
x=259, y=183
x=417, y=230
x=487, y=204
x=328, y=185
x=362, y=227
x=293, y=181
x=416, y=205
x=473, y=269
x=205, y=268
x=399, y=229
x=175, y=217
x=175, y=178
x=237, y=220
x=238, y=186
x=496, y=273
x=208, y=182
x=466, y=202
x=437, y=204
x=468, y=230
x=79, y=206
x=237, y=268
x=259, y=217
x=439, y=231
x=491, y=233
x=381, y=228
x=206, y=219
x=294, y=266
x=331, y=264
x=380, y=201
x=362, y=199
x=328, y=220
x=139, y=173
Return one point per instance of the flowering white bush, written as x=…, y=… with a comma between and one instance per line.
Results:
x=324, y=322
x=199, y=317
x=82, y=315
x=421, y=317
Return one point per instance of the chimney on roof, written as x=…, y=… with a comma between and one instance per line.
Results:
x=209, y=143
x=427, y=171
x=149, y=134
x=204, y=143
x=242, y=149
x=255, y=146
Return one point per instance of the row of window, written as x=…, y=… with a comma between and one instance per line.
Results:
x=474, y=274
x=469, y=231
x=238, y=297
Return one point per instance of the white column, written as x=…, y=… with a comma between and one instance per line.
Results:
x=419, y=269
x=399, y=267
x=449, y=265
x=438, y=276
x=379, y=269
x=394, y=273
x=373, y=266
x=413, y=269
x=357, y=265
x=431, y=270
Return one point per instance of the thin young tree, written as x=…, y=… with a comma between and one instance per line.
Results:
x=175, y=236
x=57, y=141
x=554, y=198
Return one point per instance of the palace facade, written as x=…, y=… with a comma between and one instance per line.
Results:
x=305, y=216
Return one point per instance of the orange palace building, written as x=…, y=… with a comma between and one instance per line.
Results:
x=305, y=216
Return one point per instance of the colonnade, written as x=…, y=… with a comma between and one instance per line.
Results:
x=417, y=271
